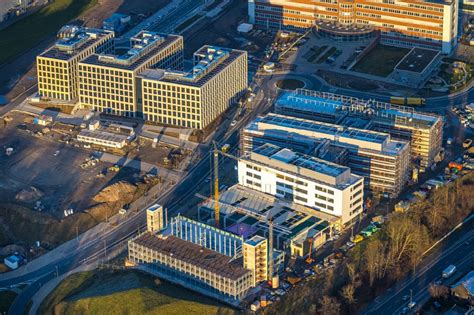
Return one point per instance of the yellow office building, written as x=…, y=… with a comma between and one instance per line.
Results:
x=108, y=82
x=57, y=67
x=196, y=98
x=255, y=253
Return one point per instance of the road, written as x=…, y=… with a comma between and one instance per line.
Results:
x=95, y=248
x=452, y=250
x=432, y=104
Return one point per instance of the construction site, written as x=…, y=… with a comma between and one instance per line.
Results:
x=251, y=233
x=41, y=204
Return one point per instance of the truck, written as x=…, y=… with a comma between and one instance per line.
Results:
x=449, y=271
x=225, y=148
x=408, y=101
x=455, y=165
x=467, y=143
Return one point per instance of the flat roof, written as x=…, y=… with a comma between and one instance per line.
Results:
x=73, y=40
x=154, y=208
x=320, y=127
x=338, y=106
x=209, y=61
x=255, y=240
x=110, y=61
x=291, y=136
x=302, y=161
x=343, y=29
x=194, y=254
x=103, y=135
x=417, y=60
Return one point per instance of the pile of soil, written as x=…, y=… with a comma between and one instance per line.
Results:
x=120, y=191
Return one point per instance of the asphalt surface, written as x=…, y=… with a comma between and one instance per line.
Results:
x=94, y=250
x=316, y=83
x=453, y=250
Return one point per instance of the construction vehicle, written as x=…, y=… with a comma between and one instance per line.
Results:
x=467, y=143
x=114, y=168
x=225, y=148
x=408, y=101
x=358, y=238
x=310, y=260
x=454, y=165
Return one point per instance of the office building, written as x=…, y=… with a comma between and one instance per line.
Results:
x=108, y=81
x=417, y=66
x=303, y=179
x=383, y=162
x=154, y=218
x=424, y=131
x=195, y=98
x=255, y=255
x=426, y=23
x=57, y=67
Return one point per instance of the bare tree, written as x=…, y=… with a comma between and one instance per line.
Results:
x=438, y=291
x=348, y=293
x=329, y=306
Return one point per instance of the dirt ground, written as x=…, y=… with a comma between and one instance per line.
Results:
x=33, y=173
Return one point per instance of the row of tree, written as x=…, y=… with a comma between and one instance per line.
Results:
x=376, y=264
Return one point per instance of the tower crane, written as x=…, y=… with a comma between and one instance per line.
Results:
x=259, y=217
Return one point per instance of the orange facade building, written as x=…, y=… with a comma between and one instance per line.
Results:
x=406, y=23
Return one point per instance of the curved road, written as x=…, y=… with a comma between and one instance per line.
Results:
x=316, y=83
x=94, y=249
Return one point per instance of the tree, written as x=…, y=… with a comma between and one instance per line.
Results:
x=374, y=258
x=329, y=306
x=348, y=293
x=438, y=291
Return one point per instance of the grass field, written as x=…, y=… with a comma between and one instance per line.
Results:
x=125, y=292
x=6, y=299
x=381, y=60
x=28, y=32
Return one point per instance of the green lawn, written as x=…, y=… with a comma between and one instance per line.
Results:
x=6, y=300
x=28, y=32
x=125, y=292
x=328, y=54
x=381, y=60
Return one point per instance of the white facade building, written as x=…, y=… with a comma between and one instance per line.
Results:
x=303, y=179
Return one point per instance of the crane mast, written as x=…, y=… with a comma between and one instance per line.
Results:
x=216, y=186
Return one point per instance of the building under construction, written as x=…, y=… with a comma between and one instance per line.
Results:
x=247, y=212
x=203, y=258
x=423, y=131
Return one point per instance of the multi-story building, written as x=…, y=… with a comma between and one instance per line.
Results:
x=255, y=254
x=425, y=23
x=108, y=81
x=154, y=218
x=57, y=67
x=194, y=99
x=303, y=179
x=195, y=255
x=383, y=162
x=423, y=131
